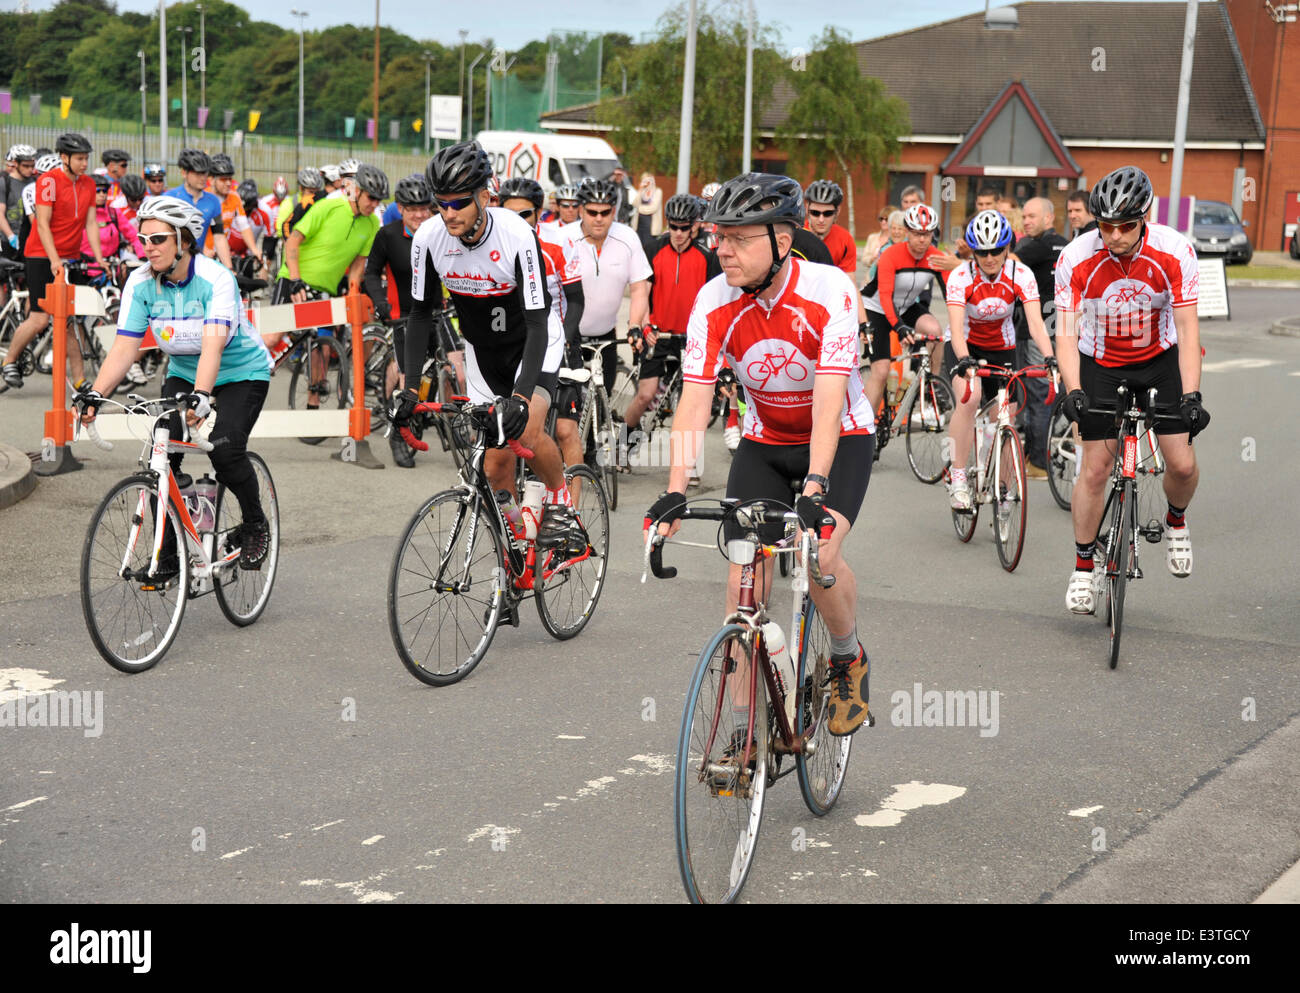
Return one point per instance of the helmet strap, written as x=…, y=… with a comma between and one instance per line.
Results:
x=777, y=262
x=471, y=238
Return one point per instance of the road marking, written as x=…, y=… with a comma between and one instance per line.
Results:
x=500, y=835
x=595, y=786
x=906, y=798
x=571, y=737
x=1084, y=811
x=231, y=855
x=25, y=803
x=359, y=889
x=321, y=827
x=371, y=841
x=1238, y=365
x=17, y=683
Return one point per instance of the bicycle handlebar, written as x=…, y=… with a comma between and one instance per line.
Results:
x=140, y=405
x=481, y=411
x=1030, y=371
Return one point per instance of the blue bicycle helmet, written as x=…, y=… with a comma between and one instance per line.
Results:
x=988, y=231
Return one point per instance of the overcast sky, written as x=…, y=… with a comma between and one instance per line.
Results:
x=513, y=23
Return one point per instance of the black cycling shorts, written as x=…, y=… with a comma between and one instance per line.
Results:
x=879, y=351
x=655, y=364
x=40, y=274
x=760, y=471
x=1100, y=383
x=568, y=398
x=989, y=384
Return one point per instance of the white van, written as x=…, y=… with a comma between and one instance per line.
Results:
x=551, y=159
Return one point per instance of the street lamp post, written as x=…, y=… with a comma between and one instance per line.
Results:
x=688, y=107
x=184, y=32
x=144, y=109
x=300, y=14
x=428, y=59
x=487, y=97
x=469, y=132
x=463, y=35
x=749, y=85
x=162, y=82
x=203, y=65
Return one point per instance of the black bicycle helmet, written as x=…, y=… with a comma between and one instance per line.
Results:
x=102, y=182
x=71, y=143
x=758, y=198
x=460, y=168
x=115, y=155
x=598, y=191
x=247, y=191
x=222, y=165
x=824, y=191
x=682, y=208
x=1123, y=195
x=413, y=191
x=523, y=188
x=132, y=187
x=155, y=170
x=194, y=160
x=372, y=181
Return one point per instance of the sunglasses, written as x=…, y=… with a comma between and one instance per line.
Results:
x=680, y=227
x=883, y=217
x=1124, y=228
x=821, y=213
x=155, y=179
x=526, y=214
x=459, y=204
x=567, y=204
x=599, y=213
x=984, y=253
x=156, y=239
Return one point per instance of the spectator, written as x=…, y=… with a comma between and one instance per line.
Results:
x=626, y=208
x=897, y=233
x=877, y=239
x=649, y=208
x=1076, y=209
x=986, y=199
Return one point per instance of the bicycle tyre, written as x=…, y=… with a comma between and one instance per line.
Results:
x=376, y=354
x=1151, y=501
x=926, y=441
x=605, y=442
x=821, y=775
x=964, y=521
x=102, y=585
x=333, y=390
x=243, y=594
x=1064, y=451
x=565, y=604
x=451, y=513
x=716, y=820
x=1010, y=540
x=1117, y=567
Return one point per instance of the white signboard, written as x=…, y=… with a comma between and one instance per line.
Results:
x=1212, y=300
x=444, y=118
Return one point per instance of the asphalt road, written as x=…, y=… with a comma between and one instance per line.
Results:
x=229, y=772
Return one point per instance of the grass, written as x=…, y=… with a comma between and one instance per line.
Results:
x=1289, y=273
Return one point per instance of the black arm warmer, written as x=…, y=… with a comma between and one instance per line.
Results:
x=418, y=330
x=373, y=281
x=534, y=352
x=574, y=305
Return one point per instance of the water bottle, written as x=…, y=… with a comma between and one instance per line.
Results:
x=990, y=427
x=205, y=498
x=531, y=508
x=782, y=665
x=511, y=512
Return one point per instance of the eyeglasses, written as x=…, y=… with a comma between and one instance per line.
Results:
x=459, y=204
x=734, y=241
x=821, y=213
x=526, y=214
x=984, y=253
x=156, y=239
x=883, y=217
x=680, y=227
x=599, y=213
x=1122, y=228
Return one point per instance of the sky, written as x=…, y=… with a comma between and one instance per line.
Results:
x=513, y=23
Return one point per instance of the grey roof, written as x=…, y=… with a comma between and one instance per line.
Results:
x=1053, y=52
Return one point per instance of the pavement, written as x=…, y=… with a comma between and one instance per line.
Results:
x=17, y=479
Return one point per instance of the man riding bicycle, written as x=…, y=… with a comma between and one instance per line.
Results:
x=789, y=329
x=1126, y=294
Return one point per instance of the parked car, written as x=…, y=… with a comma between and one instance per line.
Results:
x=1218, y=231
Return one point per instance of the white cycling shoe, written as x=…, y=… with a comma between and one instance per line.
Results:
x=1081, y=594
x=136, y=375
x=1178, y=550
x=959, y=496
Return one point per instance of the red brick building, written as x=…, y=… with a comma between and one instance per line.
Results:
x=1048, y=97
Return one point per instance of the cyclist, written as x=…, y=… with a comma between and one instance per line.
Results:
x=195, y=168
x=348, y=172
x=133, y=193
x=311, y=187
x=822, y=199
x=388, y=282
x=1126, y=307
x=567, y=204
x=233, y=219
x=19, y=166
x=155, y=179
x=981, y=300
x=116, y=232
x=192, y=306
x=64, y=205
x=490, y=261
x=333, y=178
x=46, y=162
x=894, y=300
x=251, y=241
x=679, y=269
x=115, y=162
x=789, y=329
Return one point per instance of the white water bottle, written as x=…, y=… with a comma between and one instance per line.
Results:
x=782, y=665
x=531, y=507
x=205, y=493
x=990, y=427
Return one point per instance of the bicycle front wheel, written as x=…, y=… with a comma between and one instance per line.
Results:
x=1151, y=499
x=131, y=620
x=926, y=427
x=243, y=594
x=717, y=798
x=323, y=373
x=1010, y=499
x=1117, y=558
x=446, y=589
x=1064, y=451
x=605, y=443
x=963, y=521
x=568, y=586
x=825, y=760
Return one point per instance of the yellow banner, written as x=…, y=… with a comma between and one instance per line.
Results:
x=65, y=105
x=253, y=117
x=418, y=124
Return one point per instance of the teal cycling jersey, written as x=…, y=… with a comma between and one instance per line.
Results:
x=179, y=313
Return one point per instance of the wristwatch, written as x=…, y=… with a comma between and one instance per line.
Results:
x=821, y=481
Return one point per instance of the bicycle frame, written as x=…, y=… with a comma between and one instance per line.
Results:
x=987, y=467
x=921, y=378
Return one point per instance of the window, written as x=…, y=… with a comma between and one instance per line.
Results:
x=899, y=181
x=580, y=169
x=554, y=172
x=774, y=166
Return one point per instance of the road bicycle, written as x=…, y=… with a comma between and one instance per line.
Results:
x=132, y=610
x=921, y=413
x=461, y=567
x=319, y=366
x=996, y=473
x=1122, y=518
x=596, y=429
x=741, y=733
x=14, y=312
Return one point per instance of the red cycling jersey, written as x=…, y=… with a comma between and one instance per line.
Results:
x=1125, y=306
x=989, y=303
x=844, y=251
x=776, y=350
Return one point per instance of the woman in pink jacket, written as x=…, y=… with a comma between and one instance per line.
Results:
x=115, y=231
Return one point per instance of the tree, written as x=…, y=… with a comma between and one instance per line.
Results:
x=841, y=118
x=646, y=124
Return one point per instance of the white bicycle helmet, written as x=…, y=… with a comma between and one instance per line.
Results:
x=177, y=213
x=988, y=231
x=710, y=190
x=349, y=167
x=46, y=163
x=921, y=217
x=331, y=172
x=21, y=153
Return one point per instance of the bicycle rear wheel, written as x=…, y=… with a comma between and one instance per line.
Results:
x=821, y=772
x=446, y=589
x=330, y=358
x=569, y=587
x=1117, y=557
x=131, y=623
x=1064, y=452
x=1010, y=499
x=926, y=428
x=243, y=594
x=717, y=805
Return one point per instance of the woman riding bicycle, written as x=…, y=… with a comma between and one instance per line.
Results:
x=981, y=296
x=191, y=305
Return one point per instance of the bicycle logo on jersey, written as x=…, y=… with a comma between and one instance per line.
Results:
x=694, y=350
x=1128, y=296
x=775, y=364
x=991, y=308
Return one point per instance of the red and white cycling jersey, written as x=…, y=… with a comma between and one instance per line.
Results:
x=777, y=350
x=989, y=302
x=1125, y=306
x=563, y=267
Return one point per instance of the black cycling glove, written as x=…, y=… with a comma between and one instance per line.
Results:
x=88, y=400
x=964, y=365
x=904, y=331
x=813, y=515
x=667, y=509
x=1075, y=406
x=1196, y=417
x=401, y=406
x=514, y=415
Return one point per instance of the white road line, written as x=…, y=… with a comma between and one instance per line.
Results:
x=1238, y=365
x=236, y=854
x=321, y=827
x=17, y=683
x=371, y=841
x=906, y=798
x=26, y=803
x=570, y=737
x=1084, y=811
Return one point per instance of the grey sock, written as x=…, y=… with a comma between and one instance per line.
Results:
x=846, y=647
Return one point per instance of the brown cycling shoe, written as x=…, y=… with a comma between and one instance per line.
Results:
x=848, y=680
